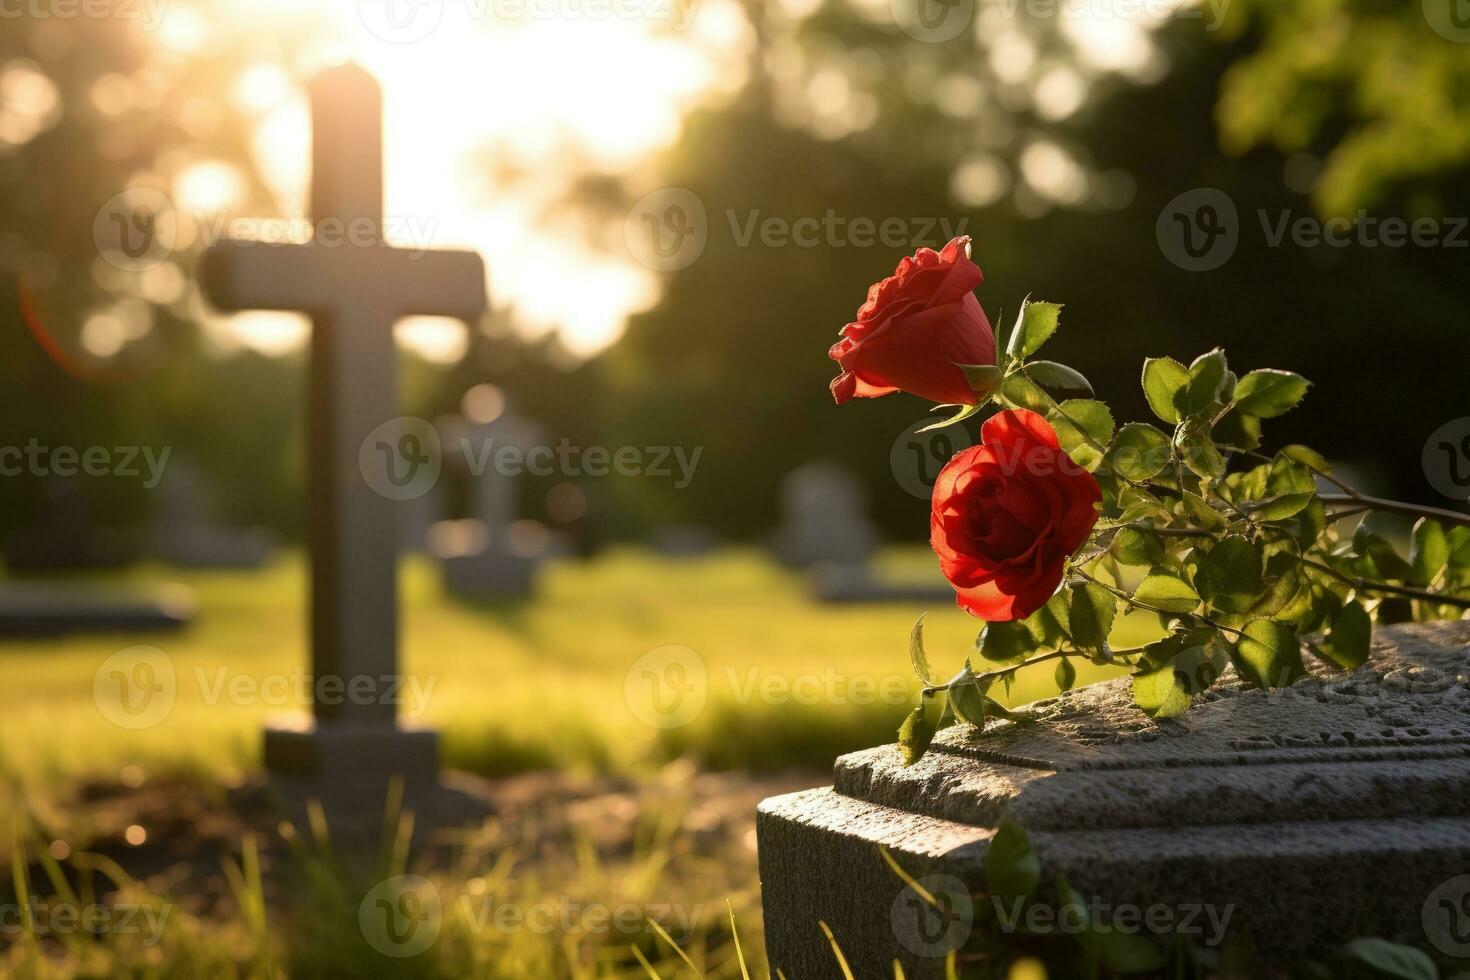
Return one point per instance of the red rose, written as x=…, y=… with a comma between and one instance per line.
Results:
x=915, y=327
x=1007, y=514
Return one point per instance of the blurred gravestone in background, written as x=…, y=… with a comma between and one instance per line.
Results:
x=494, y=553
x=185, y=531
x=63, y=536
x=62, y=540
x=824, y=517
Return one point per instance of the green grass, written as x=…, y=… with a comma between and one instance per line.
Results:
x=513, y=687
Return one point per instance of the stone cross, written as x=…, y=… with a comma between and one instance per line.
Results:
x=493, y=568
x=354, y=286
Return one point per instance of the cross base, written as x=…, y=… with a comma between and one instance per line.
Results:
x=490, y=576
x=349, y=767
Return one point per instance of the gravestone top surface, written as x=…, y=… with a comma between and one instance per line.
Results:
x=1309, y=747
x=1333, y=809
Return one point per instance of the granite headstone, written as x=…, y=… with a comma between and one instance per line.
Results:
x=185, y=531
x=824, y=517
x=492, y=554
x=1307, y=816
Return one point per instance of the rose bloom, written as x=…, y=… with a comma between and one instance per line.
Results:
x=915, y=327
x=1007, y=514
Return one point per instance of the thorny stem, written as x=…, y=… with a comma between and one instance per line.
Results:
x=1170, y=532
x=1351, y=496
x=1398, y=507
x=1053, y=655
x=1155, y=609
x=1407, y=591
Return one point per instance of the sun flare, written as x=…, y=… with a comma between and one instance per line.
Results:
x=489, y=120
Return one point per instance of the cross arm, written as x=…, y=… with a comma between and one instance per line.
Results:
x=244, y=275
x=431, y=283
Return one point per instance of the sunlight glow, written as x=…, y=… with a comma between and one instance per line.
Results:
x=489, y=122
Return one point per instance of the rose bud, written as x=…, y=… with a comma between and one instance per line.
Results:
x=1007, y=514
x=917, y=326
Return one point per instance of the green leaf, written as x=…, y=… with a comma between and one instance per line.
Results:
x=1139, y=452
x=1125, y=952
x=1385, y=560
x=1197, y=450
x=1202, y=514
x=1459, y=542
x=1019, y=391
x=1162, y=589
x=1117, y=951
x=1269, y=654
x=1269, y=393
x=1308, y=457
x=918, y=729
x=1229, y=576
x=1138, y=504
x=1034, y=327
x=1388, y=959
x=1161, y=693
x=965, y=411
x=1133, y=546
x=1011, y=869
x=1204, y=658
x=1066, y=675
x=967, y=700
x=1163, y=379
x=1348, y=641
x=1429, y=551
x=1284, y=579
x=1006, y=642
x=1050, y=374
x=983, y=378
x=1282, y=507
x=1288, y=488
x=1206, y=379
x=1043, y=631
x=917, y=657
x=1081, y=426
x=1093, y=609
x=1238, y=431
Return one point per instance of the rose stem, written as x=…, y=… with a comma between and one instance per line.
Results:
x=1376, y=503
x=1155, y=609
x=1053, y=655
x=1408, y=592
